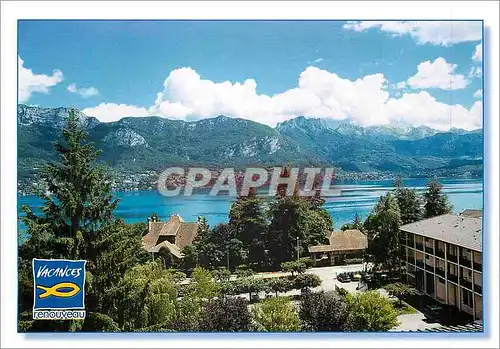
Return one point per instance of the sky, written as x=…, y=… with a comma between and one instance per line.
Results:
x=366, y=72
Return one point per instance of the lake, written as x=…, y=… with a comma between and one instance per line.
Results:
x=357, y=197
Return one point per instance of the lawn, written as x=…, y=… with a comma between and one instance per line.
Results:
x=403, y=308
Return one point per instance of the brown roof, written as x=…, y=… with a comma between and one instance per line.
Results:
x=351, y=239
x=472, y=213
x=184, y=235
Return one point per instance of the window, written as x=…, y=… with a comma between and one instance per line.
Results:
x=467, y=298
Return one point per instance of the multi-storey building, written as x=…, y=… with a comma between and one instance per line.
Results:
x=443, y=259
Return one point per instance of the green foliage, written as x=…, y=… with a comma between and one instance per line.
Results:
x=399, y=290
x=221, y=274
x=295, y=218
x=247, y=218
x=96, y=322
x=436, y=202
x=370, y=311
x=307, y=261
x=226, y=315
x=202, y=286
x=409, y=202
x=307, y=281
x=294, y=267
x=382, y=227
x=280, y=284
x=243, y=270
x=276, y=315
x=323, y=311
x=356, y=224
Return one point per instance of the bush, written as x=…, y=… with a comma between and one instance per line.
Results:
x=226, y=315
x=323, y=311
x=370, y=311
x=276, y=314
x=280, y=284
x=307, y=261
x=221, y=274
x=307, y=281
x=353, y=260
x=243, y=270
x=294, y=267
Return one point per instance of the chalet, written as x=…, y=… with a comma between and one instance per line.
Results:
x=343, y=245
x=174, y=234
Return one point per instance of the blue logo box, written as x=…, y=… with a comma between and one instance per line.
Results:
x=58, y=284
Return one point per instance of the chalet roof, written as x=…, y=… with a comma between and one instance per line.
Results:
x=184, y=233
x=472, y=213
x=351, y=239
x=454, y=229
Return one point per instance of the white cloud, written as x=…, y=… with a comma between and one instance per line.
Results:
x=319, y=93
x=85, y=92
x=478, y=94
x=433, y=32
x=107, y=112
x=30, y=82
x=478, y=53
x=437, y=74
x=317, y=60
x=475, y=72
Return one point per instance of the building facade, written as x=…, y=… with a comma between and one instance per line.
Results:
x=342, y=245
x=443, y=259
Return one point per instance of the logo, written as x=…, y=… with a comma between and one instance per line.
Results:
x=59, y=289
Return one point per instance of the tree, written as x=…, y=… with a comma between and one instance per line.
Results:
x=226, y=315
x=248, y=219
x=276, y=315
x=296, y=218
x=307, y=281
x=221, y=274
x=280, y=284
x=202, y=286
x=436, y=202
x=294, y=267
x=76, y=222
x=370, y=311
x=409, y=202
x=400, y=291
x=382, y=227
x=323, y=311
x=356, y=224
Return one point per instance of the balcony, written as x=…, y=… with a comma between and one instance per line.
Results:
x=478, y=266
x=441, y=272
x=452, y=257
x=453, y=278
x=466, y=283
x=429, y=250
x=478, y=289
x=439, y=253
x=411, y=260
x=419, y=246
x=420, y=264
x=465, y=262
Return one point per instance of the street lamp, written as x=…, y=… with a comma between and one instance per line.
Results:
x=298, y=249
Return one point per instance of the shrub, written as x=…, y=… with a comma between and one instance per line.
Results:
x=294, y=267
x=370, y=311
x=307, y=281
x=243, y=270
x=307, y=261
x=280, y=284
x=399, y=290
x=221, y=274
x=276, y=314
x=353, y=260
x=226, y=315
x=323, y=311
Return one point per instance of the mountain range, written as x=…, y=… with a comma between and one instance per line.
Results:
x=135, y=145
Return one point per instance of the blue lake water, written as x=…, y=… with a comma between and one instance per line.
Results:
x=357, y=197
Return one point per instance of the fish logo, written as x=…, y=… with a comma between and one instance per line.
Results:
x=58, y=284
x=53, y=291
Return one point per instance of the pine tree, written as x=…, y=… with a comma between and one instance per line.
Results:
x=436, y=202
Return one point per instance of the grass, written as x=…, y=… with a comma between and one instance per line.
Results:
x=403, y=308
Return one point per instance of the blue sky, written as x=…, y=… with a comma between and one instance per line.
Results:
x=113, y=69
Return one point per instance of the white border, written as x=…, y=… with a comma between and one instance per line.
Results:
x=11, y=11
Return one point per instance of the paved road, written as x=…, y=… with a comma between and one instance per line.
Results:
x=328, y=275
